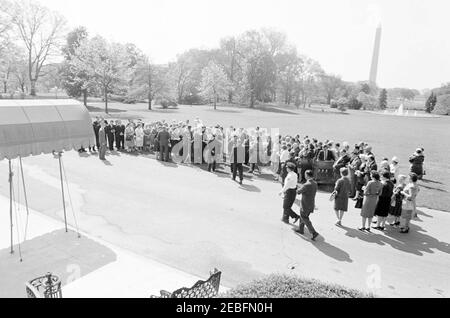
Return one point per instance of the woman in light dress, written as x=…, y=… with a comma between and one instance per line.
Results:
x=371, y=192
x=409, y=202
x=129, y=137
x=139, y=133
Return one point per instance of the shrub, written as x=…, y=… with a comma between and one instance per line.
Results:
x=442, y=105
x=334, y=104
x=367, y=101
x=286, y=286
x=354, y=103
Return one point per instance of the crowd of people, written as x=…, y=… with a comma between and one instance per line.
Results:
x=378, y=189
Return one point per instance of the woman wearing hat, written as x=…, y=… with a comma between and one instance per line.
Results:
x=397, y=200
x=371, y=192
x=409, y=202
x=342, y=191
x=394, y=168
x=384, y=201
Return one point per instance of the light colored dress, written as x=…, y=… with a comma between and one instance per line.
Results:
x=139, y=132
x=409, y=203
x=371, y=193
x=129, y=137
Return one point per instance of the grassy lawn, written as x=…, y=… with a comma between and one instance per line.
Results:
x=389, y=135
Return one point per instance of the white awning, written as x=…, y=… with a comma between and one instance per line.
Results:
x=33, y=127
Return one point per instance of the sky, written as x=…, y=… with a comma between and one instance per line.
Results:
x=339, y=34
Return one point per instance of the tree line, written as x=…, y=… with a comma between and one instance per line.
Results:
x=257, y=66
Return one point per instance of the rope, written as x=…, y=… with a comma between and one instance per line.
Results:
x=70, y=198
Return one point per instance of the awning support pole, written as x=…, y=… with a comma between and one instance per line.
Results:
x=10, y=179
x=62, y=190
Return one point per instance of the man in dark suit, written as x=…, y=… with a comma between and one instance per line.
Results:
x=110, y=132
x=326, y=154
x=96, y=126
x=102, y=140
x=163, y=140
x=237, y=152
x=119, y=135
x=308, y=192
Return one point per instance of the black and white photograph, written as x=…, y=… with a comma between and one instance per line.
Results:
x=224, y=149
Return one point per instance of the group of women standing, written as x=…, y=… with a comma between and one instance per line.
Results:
x=382, y=196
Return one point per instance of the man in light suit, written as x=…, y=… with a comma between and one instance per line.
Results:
x=308, y=192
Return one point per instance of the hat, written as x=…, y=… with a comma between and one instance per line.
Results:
x=395, y=159
x=419, y=150
x=291, y=165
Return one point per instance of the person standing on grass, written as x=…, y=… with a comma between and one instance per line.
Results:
x=397, y=200
x=384, y=200
x=371, y=192
x=342, y=190
x=290, y=193
x=102, y=141
x=409, y=202
x=308, y=192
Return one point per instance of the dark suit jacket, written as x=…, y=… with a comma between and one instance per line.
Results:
x=164, y=138
x=329, y=157
x=308, y=192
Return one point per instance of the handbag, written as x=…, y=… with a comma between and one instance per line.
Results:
x=333, y=196
x=359, y=203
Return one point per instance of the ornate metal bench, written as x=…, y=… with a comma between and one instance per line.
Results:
x=201, y=289
x=47, y=286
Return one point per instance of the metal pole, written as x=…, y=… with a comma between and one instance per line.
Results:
x=62, y=190
x=25, y=196
x=10, y=204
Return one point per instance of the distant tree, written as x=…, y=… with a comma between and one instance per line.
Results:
x=151, y=82
x=74, y=81
x=331, y=85
x=430, y=104
x=39, y=29
x=368, y=101
x=215, y=84
x=382, y=100
x=105, y=64
x=365, y=88
x=442, y=105
x=408, y=94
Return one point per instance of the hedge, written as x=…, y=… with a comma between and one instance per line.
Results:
x=289, y=286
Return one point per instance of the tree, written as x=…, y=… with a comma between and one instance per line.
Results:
x=443, y=105
x=331, y=84
x=215, y=84
x=382, y=100
x=430, y=104
x=151, y=82
x=367, y=101
x=75, y=82
x=105, y=64
x=40, y=31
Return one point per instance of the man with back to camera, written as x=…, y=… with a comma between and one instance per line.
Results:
x=308, y=192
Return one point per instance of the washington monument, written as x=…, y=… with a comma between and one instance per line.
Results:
x=376, y=54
